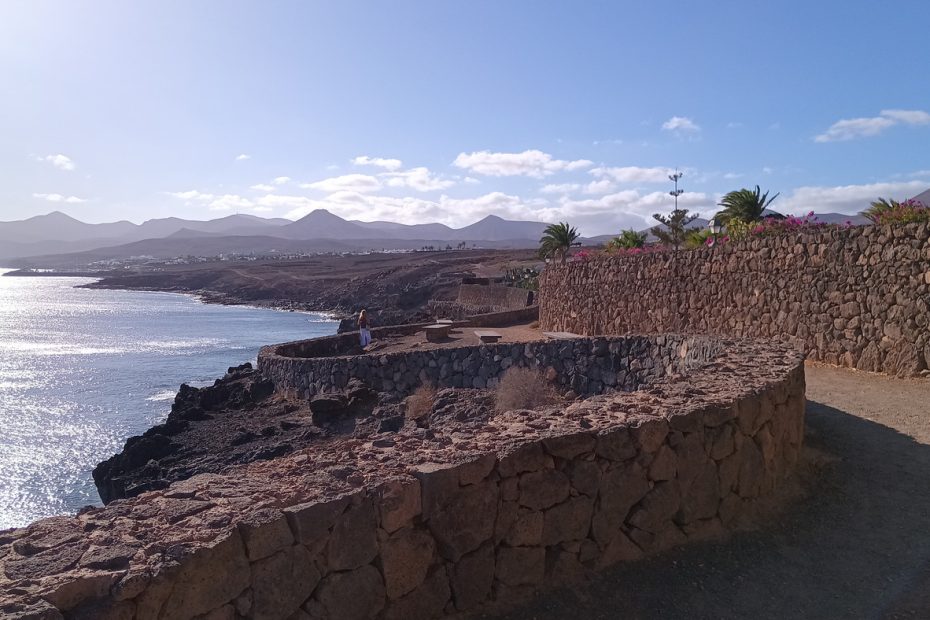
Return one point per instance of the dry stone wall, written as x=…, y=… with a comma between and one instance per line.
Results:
x=856, y=297
x=421, y=525
x=587, y=366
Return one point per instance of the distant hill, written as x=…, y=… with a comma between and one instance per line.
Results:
x=923, y=197
x=63, y=239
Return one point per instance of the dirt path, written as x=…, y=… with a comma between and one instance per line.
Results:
x=858, y=546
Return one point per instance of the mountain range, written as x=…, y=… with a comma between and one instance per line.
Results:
x=56, y=234
x=57, y=239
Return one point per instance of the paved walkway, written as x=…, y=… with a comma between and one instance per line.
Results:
x=854, y=544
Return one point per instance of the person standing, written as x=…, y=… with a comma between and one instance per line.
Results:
x=364, y=333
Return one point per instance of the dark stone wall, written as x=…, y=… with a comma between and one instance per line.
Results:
x=856, y=297
x=586, y=365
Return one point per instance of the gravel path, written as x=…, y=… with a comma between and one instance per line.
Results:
x=855, y=543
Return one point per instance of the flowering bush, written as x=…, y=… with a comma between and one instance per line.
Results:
x=905, y=212
x=582, y=255
x=791, y=224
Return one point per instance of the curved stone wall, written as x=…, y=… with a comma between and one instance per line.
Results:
x=423, y=524
x=856, y=297
x=587, y=366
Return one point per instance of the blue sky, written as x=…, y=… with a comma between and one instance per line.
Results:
x=448, y=111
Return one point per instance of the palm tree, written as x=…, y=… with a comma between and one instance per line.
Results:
x=675, y=229
x=746, y=205
x=556, y=241
x=879, y=207
x=627, y=240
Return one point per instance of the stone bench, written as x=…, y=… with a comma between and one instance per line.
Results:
x=488, y=336
x=438, y=332
x=560, y=335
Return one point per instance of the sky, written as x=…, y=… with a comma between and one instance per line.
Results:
x=426, y=111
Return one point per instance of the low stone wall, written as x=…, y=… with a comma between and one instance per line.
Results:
x=504, y=297
x=587, y=366
x=856, y=297
x=421, y=525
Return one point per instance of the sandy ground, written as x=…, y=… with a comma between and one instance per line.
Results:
x=458, y=337
x=854, y=544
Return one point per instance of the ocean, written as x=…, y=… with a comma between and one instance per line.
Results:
x=82, y=370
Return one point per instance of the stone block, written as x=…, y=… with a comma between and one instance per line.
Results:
x=570, y=520
x=527, y=529
x=649, y=434
x=352, y=595
x=539, y=490
x=405, y=560
x=400, y=501
x=354, y=540
x=466, y=521
x=209, y=576
x=282, y=582
x=312, y=521
x=585, y=477
x=657, y=508
x=527, y=457
x=620, y=489
x=427, y=601
x=518, y=566
x=619, y=549
x=616, y=445
x=665, y=464
x=264, y=532
x=569, y=446
x=472, y=577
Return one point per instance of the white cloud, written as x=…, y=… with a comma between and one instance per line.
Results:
x=852, y=128
x=734, y=125
x=732, y=175
x=192, y=195
x=849, y=199
x=346, y=182
x=380, y=162
x=634, y=174
x=60, y=198
x=420, y=179
x=281, y=180
x=561, y=188
x=243, y=157
x=531, y=163
x=62, y=162
x=680, y=124
x=602, y=186
x=471, y=180
x=909, y=117
x=229, y=202
x=263, y=187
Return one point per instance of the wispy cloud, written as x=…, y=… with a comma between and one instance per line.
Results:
x=263, y=187
x=420, y=179
x=281, y=180
x=243, y=157
x=379, y=162
x=62, y=162
x=60, y=198
x=852, y=128
x=681, y=125
x=634, y=174
x=847, y=199
x=532, y=163
x=346, y=182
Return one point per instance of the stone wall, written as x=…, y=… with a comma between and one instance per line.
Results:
x=857, y=297
x=420, y=525
x=587, y=366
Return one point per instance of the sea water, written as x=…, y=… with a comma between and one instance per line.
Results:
x=82, y=370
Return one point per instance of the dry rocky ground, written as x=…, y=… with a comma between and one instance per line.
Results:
x=854, y=542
